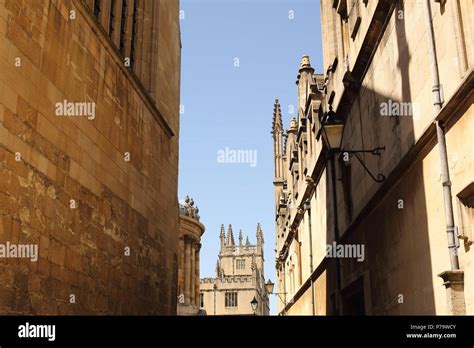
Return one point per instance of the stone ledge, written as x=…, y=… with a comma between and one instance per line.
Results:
x=452, y=277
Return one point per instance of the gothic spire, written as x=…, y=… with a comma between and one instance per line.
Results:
x=230, y=236
x=240, y=238
x=222, y=237
x=259, y=233
x=222, y=234
x=277, y=124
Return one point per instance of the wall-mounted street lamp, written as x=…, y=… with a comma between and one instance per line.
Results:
x=254, y=304
x=269, y=286
x=332, y=130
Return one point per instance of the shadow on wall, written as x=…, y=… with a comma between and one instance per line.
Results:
x=396, y=274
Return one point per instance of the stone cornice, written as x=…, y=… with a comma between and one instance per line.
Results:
x=190, y=227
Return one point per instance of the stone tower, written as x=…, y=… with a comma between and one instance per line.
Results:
x=237, y=259
x=239, y=277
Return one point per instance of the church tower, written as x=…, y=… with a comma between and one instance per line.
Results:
x=239, y=277
x=236, y=259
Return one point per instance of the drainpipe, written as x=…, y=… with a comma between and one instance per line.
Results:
x=307, y=206
x=446, y=182
x=284, y=289
x=453, y=278
x=336, y=234
x=215, y=288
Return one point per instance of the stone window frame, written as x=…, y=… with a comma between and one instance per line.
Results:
x=231, y=299
x=240, y=263
x=465, y=203
x=201, y=300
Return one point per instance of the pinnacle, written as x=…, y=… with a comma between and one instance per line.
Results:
x=277, y=124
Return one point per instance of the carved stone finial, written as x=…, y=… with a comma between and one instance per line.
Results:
x=293, y=124
x=305, y=63
x=188, y=208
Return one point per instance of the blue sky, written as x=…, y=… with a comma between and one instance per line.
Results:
x=229, y=106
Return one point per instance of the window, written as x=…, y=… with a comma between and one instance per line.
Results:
x=354, y=18
x=346, y=179
x=345, y=42
x=123, y=21
x=97, y=9
x=201, y=300
x=112, y=19
x=231, y=299
x=292, y=279
x=466, y=213
x=134, y=33
x=353, y=298
x=240, y=264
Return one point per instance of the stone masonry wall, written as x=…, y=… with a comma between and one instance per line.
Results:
x=73, y=161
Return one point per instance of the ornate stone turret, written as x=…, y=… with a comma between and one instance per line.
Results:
x=293, y=127
x=190, y=232
x=277, y=132
x=304, y=81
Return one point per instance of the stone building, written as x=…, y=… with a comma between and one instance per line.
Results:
x=374, y=183
x=239, y=278
x=89, y=124
x=190, y=232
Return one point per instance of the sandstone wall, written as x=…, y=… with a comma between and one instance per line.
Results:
x=119, y=203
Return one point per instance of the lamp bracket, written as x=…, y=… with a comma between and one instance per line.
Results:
x=377, y=151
